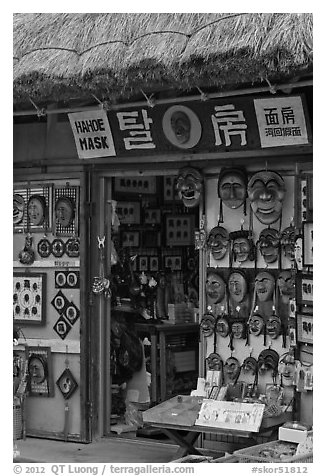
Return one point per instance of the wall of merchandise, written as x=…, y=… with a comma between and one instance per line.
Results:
x=46, y=301
x=264, y=321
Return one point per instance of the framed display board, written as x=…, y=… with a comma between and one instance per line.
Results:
x=29, y=294
x=305, y=289
x=307, y=243
x=305, y=328
x=137, y=185
x=39, y=365
x=32, y=208
x=128, y=212
x=66, y=211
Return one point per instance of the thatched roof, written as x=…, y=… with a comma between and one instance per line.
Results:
x=64, y=56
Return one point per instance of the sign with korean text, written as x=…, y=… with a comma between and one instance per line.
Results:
x=92, y=133
x=281, y=121
x=217, y=125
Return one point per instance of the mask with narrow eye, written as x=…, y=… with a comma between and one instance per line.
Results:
x=207, y=324
x=222, y=327
x=264, y=286
x=189, y=186
x=269, y=243
x=266, y=192
x=217, y=242
x=242, y=246
x=215, y=288
x=286, y=285
x=287, y=242
x=214, y=362
x=232, y=187
x=237, y=286
x=268, y=361
x=273, y=326
x=238, y=329
x=256, y=324
x=65, y=211
x=231, y=370
x=36, y=209
x=250, y=366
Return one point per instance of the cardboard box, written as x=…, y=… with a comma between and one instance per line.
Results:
x=292, y=434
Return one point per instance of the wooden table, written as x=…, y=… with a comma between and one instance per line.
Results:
x=185, y=435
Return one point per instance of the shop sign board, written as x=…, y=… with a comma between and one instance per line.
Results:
x=92, y=133
x=217, y=125
x=281, y=121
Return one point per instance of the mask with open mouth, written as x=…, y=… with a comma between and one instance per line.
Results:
x=264, y=286
x=214, y=362
x=217, y=242
x=273, y=326
x=269, y=243
x=189, y=186
x=207, y=324
x=286, y=369
x=215, y=288
x=256, y=324
x=266, y=192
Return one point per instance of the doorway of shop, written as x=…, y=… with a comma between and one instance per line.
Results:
x=147, y=330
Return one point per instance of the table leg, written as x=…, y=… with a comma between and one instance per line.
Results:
x=185, y=442
x=162, y=343
x=154, y=368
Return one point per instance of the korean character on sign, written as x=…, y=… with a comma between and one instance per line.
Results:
x=138, y=125
x=230, y=122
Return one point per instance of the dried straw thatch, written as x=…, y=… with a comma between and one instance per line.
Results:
x=62, y=56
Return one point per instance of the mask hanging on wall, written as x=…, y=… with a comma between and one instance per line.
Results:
x=264, y=286
x=207, y=324
x=269, y=245
x=268, y=362
x=214, y=362
x=231, y=370
x=238, y=331
x=286, y=368
x=222, y=326
x=237, y=287
x=273, y=326
x=250, y=367
x=256, y=324
x=232, y=188
x=287, y=242
x=36, y=210
x=218, y=242
x=215, y=288
x=242, y=246
x=266, y=192
x=286, y=285
x=190, y=186
x=65, y=211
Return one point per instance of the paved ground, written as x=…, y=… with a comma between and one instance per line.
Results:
x=105, y=450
